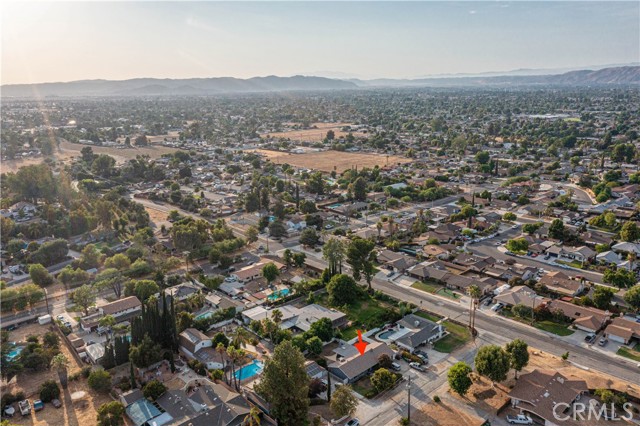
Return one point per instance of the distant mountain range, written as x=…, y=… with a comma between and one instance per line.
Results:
x=626, y=75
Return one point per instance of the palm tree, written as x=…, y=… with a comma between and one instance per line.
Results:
x=240, y=337
x=379, y=227
x=631, y=258
x=474, y=293
x=221, y=350
x=269, y=328
x=239, y=356
x=253, y=418
x=107, y=321
x=60, y=364
x=276, y=316
x=231, y=354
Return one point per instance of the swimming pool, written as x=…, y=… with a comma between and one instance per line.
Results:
x=14, y=353
x=249, y=370
x=335, y=206
x=386, y=334
x=204, y=315
x=278, y=294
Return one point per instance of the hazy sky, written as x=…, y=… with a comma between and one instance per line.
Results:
x=55, y=41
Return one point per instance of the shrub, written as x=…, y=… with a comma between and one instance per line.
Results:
x=100, y=381
x=436, y=398
x=86, y=371
x=49, y=390
x=153, y=390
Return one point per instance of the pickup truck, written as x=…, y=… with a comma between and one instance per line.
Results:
x=520, y=419
x=25, y=407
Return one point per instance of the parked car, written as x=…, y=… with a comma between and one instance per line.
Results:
x=423, y=358
x=488, y=302
x=603, y=341
x=38, y=405
x=520, y=419
x=353, y=422
x=422, y=353
x=395, y=366
x=497, y=307
x=56, y=403
x=417, y=366
x=590, y=338
x=516, y=226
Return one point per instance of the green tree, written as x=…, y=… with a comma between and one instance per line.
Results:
x=146, y=353
x=118, y=261
x=620, y=278
x=49, y=390
x=630, y=231
x=482, y=157
x=333, y=252
x=382, y=379
x=343, y=402
x=251, y=234
x=270, y=272
x=518, y=351
x=632, y=297
x=360, y=189
x=342, y=290
x=285, y=385
x=111, y=414
x=509, y=216
x=100, y=381
x=314, y=345
x=602, y=297
x=309, y=237
x=299, y=259
x=277, y=229
x=492, y=362
x=39, y=275
x=459, y=379
x=143, y=289
x=361, y=258
x=153, y=390
x=85, y=297
x=517, y=245
x=556, y=229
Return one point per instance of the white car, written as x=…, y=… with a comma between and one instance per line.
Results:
x=516, y=226
x=417, y=366
x=497, y=307
x=520, y=419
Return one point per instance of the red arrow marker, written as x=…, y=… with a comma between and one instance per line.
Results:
x=360, y=345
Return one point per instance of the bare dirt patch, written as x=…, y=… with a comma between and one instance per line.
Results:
x=68, y=151
x=328, y=161
x=444, y=414
x=72, y=413
x=315, y=134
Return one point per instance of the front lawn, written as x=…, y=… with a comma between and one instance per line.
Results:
x=457, y=337
x=427, y=315
x=629, y=353
x=448, y=293
x=366, y=389
x=429, y=287
x=364, y=314
x=553, y=327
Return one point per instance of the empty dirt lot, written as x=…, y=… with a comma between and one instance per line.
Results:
x=67, y=151
x=328, y=161
x=315, y=134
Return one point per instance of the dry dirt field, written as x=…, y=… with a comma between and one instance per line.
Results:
x=72, y=413
x=444, y=414
x=328, y=161
x=69, y=150
x=313, y=135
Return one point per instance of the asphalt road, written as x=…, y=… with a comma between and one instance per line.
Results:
x=506, y=330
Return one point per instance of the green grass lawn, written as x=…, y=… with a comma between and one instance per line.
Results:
x=457, y=337
x=629, y=353
x=448, y=293
x=552, y=327
x=573, y=264
x=430, y=317
x=364, y=314
x=429, y=287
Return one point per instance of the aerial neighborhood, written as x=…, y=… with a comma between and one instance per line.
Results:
x=319, y=258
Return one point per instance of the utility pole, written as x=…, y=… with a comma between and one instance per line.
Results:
x=409, y=401
x=46, y=299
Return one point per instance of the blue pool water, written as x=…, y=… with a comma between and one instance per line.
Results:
x=278, y=294
x=335, y=206
x=203, y=316
x=271, y=218
x=14, y=353
x=386, y=334
x=249, y=370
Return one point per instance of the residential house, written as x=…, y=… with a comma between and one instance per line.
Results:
x=560, y=283
x=435, y=251
x=349, y=365
x=297, y=319
x=413, y=331
x=623, y=330
x=422, y=271
x=251, y=272
x=608, y=258
x=296, y=224
x=584, y=318
x=394, y=261
x=539, y=393
x=521, y=295
x=194, y=344
x=624, y=247
x=581, y=254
